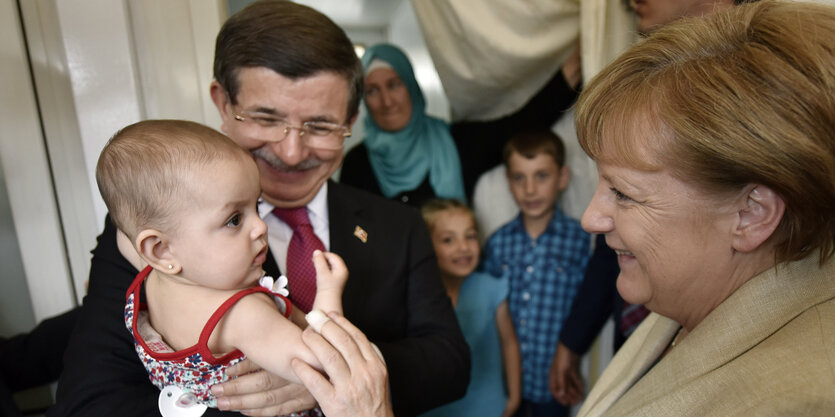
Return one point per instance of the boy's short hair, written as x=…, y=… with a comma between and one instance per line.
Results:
x=531, y=143
x=433, y=208
x=144, y=170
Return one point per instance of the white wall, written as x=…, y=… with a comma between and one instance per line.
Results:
x=32, y=236
x=15, y=307
x=405, y=33
x=98, y=65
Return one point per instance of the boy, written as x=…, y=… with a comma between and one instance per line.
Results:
x=544, y=254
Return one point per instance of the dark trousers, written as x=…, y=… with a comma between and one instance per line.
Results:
x=33, y=359
x=547, y=409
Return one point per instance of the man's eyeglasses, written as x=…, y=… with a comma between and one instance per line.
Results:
x=269, y=128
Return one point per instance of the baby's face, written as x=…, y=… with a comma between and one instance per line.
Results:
x=221, y=241
x=455, y=238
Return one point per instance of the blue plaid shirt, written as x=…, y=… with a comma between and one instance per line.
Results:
x=544, y=276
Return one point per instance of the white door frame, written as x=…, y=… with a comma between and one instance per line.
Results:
x=98, y=65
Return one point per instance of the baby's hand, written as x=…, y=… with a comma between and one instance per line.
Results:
x=331, y=276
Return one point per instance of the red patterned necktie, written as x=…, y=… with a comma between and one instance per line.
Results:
x=300, y=271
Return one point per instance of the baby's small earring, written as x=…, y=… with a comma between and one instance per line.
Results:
x=170, y=266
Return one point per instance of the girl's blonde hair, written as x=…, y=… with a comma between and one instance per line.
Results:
x=432, y=209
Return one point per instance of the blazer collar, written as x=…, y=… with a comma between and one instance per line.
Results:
x=752, y=313
x=347, y=211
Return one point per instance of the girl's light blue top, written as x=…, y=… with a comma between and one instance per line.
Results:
x=478, y=300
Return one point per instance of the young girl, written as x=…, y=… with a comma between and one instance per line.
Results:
x=480, y=303
x=186, y=197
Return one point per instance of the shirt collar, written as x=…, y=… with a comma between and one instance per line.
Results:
x=317, y=209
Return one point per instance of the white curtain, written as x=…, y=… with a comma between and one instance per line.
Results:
x=492, y=56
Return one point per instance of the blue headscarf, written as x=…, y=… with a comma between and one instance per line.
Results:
x=401, y=159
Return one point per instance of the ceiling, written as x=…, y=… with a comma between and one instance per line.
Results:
x=356, y=13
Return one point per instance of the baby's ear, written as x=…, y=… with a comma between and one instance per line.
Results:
x=758, y=218
x=155, y=248
x=127, y=250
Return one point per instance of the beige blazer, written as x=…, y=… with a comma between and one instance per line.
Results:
x=768, y=350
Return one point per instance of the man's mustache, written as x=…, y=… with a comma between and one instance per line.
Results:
x=274, y=161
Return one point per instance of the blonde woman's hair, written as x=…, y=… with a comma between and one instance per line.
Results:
x=144, y=171
x=745, y=96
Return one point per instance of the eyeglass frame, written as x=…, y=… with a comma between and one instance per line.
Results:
x=303, y=129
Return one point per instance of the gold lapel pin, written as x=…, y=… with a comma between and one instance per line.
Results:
x=361, y=234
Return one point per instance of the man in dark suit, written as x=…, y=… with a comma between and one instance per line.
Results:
x=287, y=86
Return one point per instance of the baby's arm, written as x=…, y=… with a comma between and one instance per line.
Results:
x=331, y=276
x=255, y=326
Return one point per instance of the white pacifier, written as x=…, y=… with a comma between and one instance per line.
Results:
x=174, y=402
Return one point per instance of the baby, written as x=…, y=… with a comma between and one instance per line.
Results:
x=186, y=197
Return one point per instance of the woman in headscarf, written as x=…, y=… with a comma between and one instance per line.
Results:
x=406, y=155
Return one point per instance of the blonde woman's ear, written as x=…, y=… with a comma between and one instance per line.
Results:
x=758, y=218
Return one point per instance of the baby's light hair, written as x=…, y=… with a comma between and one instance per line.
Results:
x=144, y=170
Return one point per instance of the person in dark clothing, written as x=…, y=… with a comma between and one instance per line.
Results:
x=32, y=359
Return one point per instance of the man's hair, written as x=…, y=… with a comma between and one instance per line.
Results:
x=291, y=39
x=530, y=143
x=434, y=207
x=143, y=172
x=744, y=96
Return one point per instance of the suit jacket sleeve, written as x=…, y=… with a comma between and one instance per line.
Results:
x=102, y=373
x=594, y=301
x=395, y=296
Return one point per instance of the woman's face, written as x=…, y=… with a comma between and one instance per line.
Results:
x=672, y=240
x=388, y=99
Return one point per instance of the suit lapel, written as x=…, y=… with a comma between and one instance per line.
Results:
x=751, y=314
x=631, y=362
x=345, y=213
x=270, y=266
